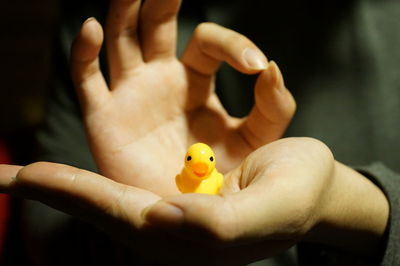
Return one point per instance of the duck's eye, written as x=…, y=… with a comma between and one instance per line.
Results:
x=211, y=159
x=189, y=158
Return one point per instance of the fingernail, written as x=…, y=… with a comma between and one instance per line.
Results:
x=163, y=214
x=89, y=19
x=254, y=59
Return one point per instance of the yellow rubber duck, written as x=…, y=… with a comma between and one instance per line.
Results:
x=199, y=174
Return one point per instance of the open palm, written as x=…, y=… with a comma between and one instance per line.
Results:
x=140, y=124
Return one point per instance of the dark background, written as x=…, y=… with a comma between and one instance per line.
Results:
x=26, y=43
x=27, y=37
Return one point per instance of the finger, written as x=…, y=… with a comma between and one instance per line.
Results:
x=211, y=44
x=278, y=199
x=7, y=175
x=231, y=220
x=159, y=28
x=273, y=110
x=85, y=69
x=123, y=47
x=82, y=193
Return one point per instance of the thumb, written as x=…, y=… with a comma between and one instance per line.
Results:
x=251, y=215
x=277, y=198
x=229, y=220
x=274, y=108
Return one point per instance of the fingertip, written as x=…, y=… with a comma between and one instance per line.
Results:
x=290, y=103
x=254, y=59
x=87, y=44
x=269, y=77
x=274, y=108
x=93, y=30
x=270, y=83
x=273, y=99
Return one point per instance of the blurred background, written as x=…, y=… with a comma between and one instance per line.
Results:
x=27, y=36
x=330, y=62
x=26, y=43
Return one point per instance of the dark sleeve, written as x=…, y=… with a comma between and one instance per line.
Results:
x=313, y=254
x=389, y=182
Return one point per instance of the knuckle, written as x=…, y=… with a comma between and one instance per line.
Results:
x=203, y=28
x=22, y=174
x=29, y=172
x=201, y=34
x=116, y=207
x=320, y=148
x=213, y=37
x=204, y=32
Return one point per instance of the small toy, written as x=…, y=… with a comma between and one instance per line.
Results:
x=199, y=174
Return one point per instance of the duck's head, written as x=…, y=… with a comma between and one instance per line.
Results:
x=199, y=160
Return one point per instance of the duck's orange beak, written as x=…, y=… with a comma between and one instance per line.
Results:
x=200, y=169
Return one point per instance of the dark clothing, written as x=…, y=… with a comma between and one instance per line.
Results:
x=390, y=184
x=340, y=59
x=342, y=63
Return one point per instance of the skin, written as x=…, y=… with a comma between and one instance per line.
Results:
x=156, y=105
x=288, y=191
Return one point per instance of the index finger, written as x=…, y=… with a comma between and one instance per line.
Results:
x=84, y=194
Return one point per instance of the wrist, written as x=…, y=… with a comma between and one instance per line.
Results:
x=354, y=214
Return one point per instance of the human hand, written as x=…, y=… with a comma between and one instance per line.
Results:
x=288, y=191
x=141, y=123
